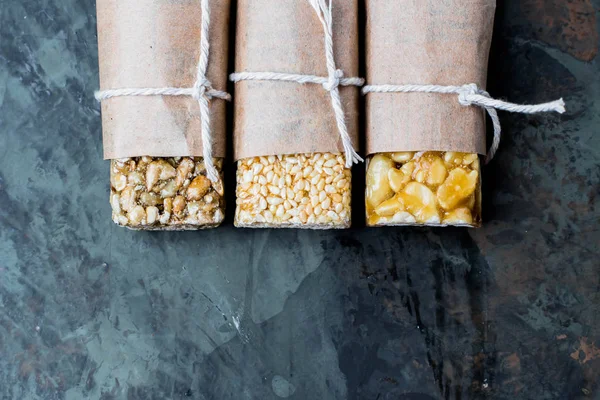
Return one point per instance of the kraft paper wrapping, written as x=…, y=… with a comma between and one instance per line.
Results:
x=156, y=44
x=441, y=42
x=286, y=117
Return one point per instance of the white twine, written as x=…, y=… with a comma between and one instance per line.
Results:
x=331, y=83
x=471, y=95
x=202, y=91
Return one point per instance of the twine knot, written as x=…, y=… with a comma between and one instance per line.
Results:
x=202, y=88
x=466, y=91
x=334, y=80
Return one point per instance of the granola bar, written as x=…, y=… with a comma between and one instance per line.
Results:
x=154, y=193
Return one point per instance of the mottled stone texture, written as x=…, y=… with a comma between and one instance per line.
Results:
x=568, y=25
x=90, y=310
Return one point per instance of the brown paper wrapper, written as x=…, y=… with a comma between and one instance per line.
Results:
x=286, y=117
x=155, y=44
x=442, y=42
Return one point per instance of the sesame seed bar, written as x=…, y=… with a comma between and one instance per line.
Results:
x=293, y=191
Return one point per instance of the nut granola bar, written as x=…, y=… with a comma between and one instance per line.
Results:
x=154, y=193
x=293, y=191
x=425, y=188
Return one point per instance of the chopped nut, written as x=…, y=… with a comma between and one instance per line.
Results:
x=403, y=217
x=168, y=205
x=437, y=172
x=136, y=215
x=183, y=171
x=151, y=214
x=169, y=189
x=135, y=178
x=298, y=190
x=127, y=198
x=152, y=174
x=115, y=203
x=402, y=157
x=157, y=193
x=164, y=219
x=178, y=204
x=119, y=181
x=459, y=158
x=398, y=179
x=459, y=216
x=218, y=216
x=193, y=207
x=419, y=200
x=120, y=219
x=457, y=187
x=430, y=188
x=198, y=188
x=390, y=207
x=150, y=199
x=378, y=185
x=167, y=171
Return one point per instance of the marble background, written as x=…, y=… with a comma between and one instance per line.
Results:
x=508, y=311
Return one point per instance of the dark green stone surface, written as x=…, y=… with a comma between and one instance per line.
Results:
x=509, y=311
